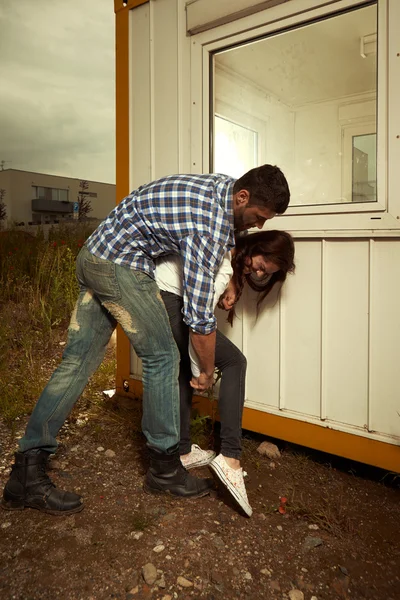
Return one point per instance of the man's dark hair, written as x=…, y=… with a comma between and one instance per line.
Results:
x=267, y=186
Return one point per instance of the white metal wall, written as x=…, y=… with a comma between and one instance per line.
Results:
x=326, y=351
x=160, y=97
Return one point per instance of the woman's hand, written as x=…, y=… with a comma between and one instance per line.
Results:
x=228, y=298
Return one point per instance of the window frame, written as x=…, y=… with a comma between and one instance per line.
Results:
x=350, y=218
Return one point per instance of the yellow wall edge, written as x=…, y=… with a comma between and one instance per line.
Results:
x=122, y=148
x=355, y=447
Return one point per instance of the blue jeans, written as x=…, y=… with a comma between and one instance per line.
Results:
x=110, y=293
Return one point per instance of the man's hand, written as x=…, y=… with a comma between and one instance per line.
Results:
x=204, y=347
x=202, y=382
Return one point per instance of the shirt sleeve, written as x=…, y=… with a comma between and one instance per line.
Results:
x=201, y=257
x=223, y=277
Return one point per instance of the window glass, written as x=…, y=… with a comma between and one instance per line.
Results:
x=364, y=168
x=63, y=195
x=237, y=148
x=39, y=192
x=313, y=89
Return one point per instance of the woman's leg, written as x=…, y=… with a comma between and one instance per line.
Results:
x=232, y=364
x=174, y=304
x=226, y=466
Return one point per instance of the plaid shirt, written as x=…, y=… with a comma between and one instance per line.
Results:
x=190, y=215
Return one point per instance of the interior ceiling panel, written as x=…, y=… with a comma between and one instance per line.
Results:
x=313, y=63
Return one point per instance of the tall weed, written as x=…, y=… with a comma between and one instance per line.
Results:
x=38, y=290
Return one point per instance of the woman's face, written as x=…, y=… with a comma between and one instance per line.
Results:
x=259, y=266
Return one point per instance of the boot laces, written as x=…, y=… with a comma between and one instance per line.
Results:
x=43, y=478
x=184, y=473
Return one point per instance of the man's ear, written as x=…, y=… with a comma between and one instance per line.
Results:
x=242, y=198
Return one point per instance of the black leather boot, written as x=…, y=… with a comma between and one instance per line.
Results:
x=30, y=486
x=167, y=475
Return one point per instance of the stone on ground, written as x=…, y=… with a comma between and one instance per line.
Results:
x=269, y=450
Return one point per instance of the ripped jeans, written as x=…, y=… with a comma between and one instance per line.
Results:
x=110, y=293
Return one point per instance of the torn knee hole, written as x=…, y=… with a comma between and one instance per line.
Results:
x=74, y=324
x=121, y=315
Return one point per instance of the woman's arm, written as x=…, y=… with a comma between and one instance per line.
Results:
x=222, y=280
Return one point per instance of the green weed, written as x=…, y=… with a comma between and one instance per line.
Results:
x=38, y=290
x=200, y=429
x=141, y=521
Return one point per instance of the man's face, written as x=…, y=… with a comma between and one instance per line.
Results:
x=246, y=216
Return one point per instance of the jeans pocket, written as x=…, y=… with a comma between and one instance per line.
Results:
x=99, y=275
x=144, y=279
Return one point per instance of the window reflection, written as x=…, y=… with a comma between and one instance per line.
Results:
x=237, y=148
x=364, y=168
x=309, y=97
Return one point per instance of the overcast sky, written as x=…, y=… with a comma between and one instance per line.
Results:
x=57, y=87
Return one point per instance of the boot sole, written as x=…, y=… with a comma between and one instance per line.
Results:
x=152, y=491
x=9, y=506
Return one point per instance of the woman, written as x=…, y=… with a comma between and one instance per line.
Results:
x=261, y=260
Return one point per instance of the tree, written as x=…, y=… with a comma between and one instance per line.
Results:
x=84, y=203
x=3, y=210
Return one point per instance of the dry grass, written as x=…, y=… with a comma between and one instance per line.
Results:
x=330, y=516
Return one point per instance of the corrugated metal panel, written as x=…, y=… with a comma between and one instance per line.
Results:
x=140, y=125
x=345, y=332
x=385, y=337
x=301, y=332
x=164, y=38
x=261, y=343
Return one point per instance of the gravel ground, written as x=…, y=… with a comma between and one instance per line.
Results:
x=338, y=536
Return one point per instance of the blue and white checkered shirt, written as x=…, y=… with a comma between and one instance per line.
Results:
x=190, y=215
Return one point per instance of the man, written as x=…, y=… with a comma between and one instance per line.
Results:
x=194, y=216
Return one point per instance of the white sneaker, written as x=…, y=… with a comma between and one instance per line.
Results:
x=233, y=481
x=197, y=457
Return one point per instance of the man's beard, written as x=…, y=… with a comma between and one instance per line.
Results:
x=238, y=223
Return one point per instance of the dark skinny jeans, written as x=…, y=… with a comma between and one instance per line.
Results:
x=232, y=364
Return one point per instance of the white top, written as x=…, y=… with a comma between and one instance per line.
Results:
x=169, y=278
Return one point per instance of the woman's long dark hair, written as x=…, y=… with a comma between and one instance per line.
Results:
x=274, y=246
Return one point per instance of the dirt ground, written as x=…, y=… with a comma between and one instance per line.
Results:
x=336, y=537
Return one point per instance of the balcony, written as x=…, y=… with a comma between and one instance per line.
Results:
x=52, y=206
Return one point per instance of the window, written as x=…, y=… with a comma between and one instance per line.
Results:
x=46, y=193
x=39, y=192
x=315, y=85
x=328, y=74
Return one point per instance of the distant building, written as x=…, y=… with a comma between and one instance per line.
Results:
x=39, y=198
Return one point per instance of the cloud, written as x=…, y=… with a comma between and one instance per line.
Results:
x=57, y=94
